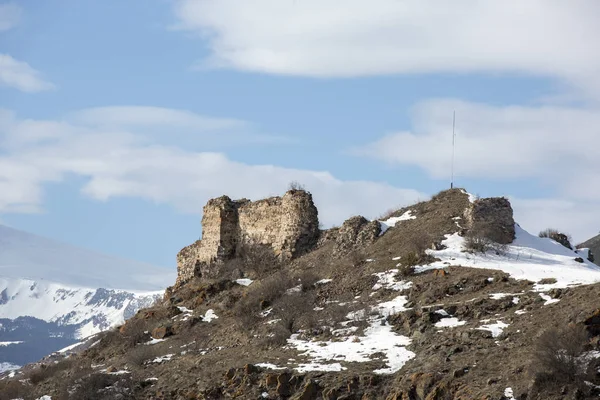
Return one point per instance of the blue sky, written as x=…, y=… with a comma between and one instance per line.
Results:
x=118, y=120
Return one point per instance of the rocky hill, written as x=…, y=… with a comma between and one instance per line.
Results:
x=444, y=299
x=594, y=245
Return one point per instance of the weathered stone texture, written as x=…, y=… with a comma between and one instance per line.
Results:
x=356, y=232
x=288, y=224
x=492, y=217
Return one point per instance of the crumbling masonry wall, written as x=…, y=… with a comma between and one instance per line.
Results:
x=493, y=218
x=289, y=224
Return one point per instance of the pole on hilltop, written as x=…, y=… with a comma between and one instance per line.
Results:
x=453, y=141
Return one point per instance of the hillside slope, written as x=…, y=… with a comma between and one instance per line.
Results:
x=427, y=308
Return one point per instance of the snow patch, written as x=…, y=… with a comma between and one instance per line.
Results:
x=244, y=281
x=449, y=323
x=528, y=257
x=496, y=329
x=387, y=280
x=378, y=337
x=166, y=357
x=391, y=222
x=209, y=316
x=549, y=300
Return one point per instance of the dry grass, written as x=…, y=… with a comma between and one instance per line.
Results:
x=48, y=371
x=556, y=358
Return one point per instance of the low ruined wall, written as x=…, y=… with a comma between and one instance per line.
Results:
x=288, y=224
x=492, y=217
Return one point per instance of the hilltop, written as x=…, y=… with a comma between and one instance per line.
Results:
x=444, y=299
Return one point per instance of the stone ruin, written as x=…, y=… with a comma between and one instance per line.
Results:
x=493, y=218
x=288, y=224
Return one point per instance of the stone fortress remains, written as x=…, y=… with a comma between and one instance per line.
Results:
x=290, y=226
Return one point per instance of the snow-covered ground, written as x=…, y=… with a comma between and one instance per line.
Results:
x=528, y=257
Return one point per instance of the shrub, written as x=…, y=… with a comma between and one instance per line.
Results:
x=11, y=389
x=295, y=311
x=556, y=358
x=277, y=337
x=482, y=238
x=306, y=279
x=47, y=371
x=295, y=185
x=260, y=295
x=255, y=258
x=141, y=353
x=557, y=236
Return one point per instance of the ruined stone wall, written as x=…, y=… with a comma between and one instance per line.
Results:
x=493, y=218
x=288, y=224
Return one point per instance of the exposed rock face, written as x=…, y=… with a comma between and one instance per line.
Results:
x=594, y=245
x=288, y=224
x=356, y=232
x=493, y=217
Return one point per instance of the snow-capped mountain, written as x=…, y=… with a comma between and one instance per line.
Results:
x=53, y=294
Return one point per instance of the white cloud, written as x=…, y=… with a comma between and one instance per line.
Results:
x=357, y=38
x=120, y=161
x=21, y=76
x=556, y=145
x=10, y=15
x=581, y=220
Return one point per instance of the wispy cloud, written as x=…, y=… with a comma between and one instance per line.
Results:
x=21, y=76
x=10, y=15
x=122, y=161
x=15, y=73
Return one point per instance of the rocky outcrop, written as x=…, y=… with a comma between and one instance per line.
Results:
x=288, y=224
x=493, y=218
x=593, y=245
x=356, y=232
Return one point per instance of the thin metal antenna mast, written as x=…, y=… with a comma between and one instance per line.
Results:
x=453, y=140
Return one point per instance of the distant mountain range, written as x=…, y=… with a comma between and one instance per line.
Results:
x=53, y=294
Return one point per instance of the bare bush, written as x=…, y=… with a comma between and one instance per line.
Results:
x=141, y=353
x=260, y=295
x=295, y=185
x=562, y=238
x=336, y=313
x=483, y=238
x=47, y=371
x=255, y=258
x=10, y=389
x=277, y=337
x=295, y=310
x=306, y=279
x=557, y=356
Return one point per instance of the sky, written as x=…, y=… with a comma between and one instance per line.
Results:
x=120, y=119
